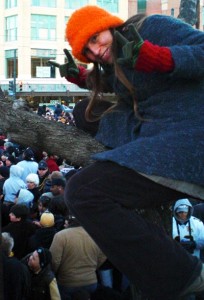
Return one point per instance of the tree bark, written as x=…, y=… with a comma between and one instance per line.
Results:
x=28, y=129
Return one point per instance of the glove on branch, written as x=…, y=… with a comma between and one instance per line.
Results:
x=143, y=55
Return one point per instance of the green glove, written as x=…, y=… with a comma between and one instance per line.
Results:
x=130, y=49
x=69, y=69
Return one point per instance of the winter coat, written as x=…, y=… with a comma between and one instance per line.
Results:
x=191, y=227
x=16, y=279
x=13, y=184
x=43, y=284
x=75, y=257
x=168, y=140
x=21, y=232
x=42, y=238
x=28, y=168
x=52, y=165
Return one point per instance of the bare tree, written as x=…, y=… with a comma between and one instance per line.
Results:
x=189, y=12
x=29, y=129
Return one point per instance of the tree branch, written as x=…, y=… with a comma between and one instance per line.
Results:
x=29, y=129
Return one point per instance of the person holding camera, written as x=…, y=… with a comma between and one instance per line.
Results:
x=187, y=229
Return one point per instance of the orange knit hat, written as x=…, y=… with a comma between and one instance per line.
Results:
x=84, y=23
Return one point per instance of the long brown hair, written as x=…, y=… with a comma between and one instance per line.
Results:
x=96, y=82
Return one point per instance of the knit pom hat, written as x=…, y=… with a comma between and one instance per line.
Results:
x=47, y=219
x=45, y=256
x=84, y=23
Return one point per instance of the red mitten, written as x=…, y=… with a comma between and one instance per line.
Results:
x=154, y=58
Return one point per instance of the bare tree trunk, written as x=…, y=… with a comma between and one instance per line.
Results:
x=188, y=11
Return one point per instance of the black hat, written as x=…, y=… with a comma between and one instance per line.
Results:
x=4, y=171
x=42, y=165
x=58, y=181
x=28, y=154
x=20, y=211
x=45, y=256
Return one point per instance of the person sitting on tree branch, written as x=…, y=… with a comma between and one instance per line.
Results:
x=154, y=135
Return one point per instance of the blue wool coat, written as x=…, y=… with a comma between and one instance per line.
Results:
x=170, y=140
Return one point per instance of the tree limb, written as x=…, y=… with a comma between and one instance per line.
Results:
x=29, y=129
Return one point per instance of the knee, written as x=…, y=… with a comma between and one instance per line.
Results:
x=72, y=190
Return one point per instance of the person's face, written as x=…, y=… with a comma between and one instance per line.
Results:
x=55, y=189
x=13, y=218
x=3, y=158
x=8, y=163
x=34, y=261
x=41, y=208
x=182, y=215
x=98, y=47
x=30, y=185
x=42, y=172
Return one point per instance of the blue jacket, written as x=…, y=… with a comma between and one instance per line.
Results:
x=169, y=142
x=13, y=184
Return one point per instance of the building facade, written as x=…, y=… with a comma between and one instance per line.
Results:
x=33, y=32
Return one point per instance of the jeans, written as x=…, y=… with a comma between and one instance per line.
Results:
x=67, y=292
x=106, y=277
x=103, y=197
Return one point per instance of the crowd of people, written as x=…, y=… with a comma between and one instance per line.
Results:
x=57, y=114
x=47, y=254
x=153, y=136
x=41, y=236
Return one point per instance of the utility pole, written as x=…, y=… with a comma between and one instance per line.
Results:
x=14, y=75
x=197, y=25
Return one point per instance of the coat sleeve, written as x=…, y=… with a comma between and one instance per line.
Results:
x=185, y=43
x=56, y=249
x=54, y=291
x=200, y=235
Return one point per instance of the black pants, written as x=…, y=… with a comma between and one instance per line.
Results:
x=103, y=197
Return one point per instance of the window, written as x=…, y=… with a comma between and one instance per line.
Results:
x=110, y=5
x=11, y=57
x=65, y=24
x=141, y=6
x=70, y=4
x=10, y=3
x=203, y=17
x=43, y=27
x=39, y=58
x=11, y=28
x=44, y=3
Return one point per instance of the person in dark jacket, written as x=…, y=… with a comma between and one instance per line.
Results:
x=43, y=281
x=20, y=229
x=154, y=139
x=44, y=235
x=43, y=173
x=57, y=204
x=57, y=111
x=16, y=278
x=4, y=174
